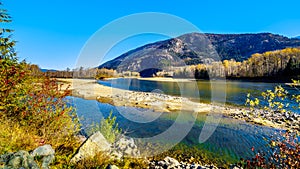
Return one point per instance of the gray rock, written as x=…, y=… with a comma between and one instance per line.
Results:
x=44, y=150
x=21, y=159
x=93, y=145
x=47, y=154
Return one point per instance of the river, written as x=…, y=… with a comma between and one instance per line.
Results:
x=231, y=138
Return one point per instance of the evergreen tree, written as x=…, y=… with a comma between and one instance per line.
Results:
x=6, y=43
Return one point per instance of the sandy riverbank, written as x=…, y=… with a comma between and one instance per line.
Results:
x=88, y=89
x=91, y=90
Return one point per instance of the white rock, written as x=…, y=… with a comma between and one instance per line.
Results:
x=93, y=145
x=171, y=162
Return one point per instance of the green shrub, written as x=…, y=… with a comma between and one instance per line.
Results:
x=108, y=127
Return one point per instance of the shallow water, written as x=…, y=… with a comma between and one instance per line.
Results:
x=231, y=137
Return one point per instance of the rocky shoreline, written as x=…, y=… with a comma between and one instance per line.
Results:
x=287, y=121
x=154, y=101
x=126, y=147
x=91, y=147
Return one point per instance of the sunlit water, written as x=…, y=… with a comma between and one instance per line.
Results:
x=232, y=138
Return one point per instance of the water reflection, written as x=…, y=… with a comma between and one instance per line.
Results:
x=236, y=91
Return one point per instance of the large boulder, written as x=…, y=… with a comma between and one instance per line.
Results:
x=123, y=147
x=22, y=159
x=46, y=152
x=93, y=145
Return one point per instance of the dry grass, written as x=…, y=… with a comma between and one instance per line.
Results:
x=102, y=160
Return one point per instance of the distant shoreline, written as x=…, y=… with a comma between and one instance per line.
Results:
x=158, y=79
x=285, y=81
x=165, y=79
x=170, y=79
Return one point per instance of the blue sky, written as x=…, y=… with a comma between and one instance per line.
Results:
x=52, y=33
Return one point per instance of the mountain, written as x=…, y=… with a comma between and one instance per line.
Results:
x=298, y=37
x=241, y=46
x=195, y=48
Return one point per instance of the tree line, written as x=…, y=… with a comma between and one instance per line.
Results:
x=274, y=64
x=89, y=73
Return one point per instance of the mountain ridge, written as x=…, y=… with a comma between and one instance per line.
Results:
x=195, y=48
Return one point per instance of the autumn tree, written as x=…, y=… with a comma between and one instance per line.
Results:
x=281, y=63
x=33, y=111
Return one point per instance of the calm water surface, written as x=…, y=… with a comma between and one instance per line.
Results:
x=228, y=92
x=236, y=91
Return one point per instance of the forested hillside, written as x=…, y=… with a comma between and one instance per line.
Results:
x=277, y=64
